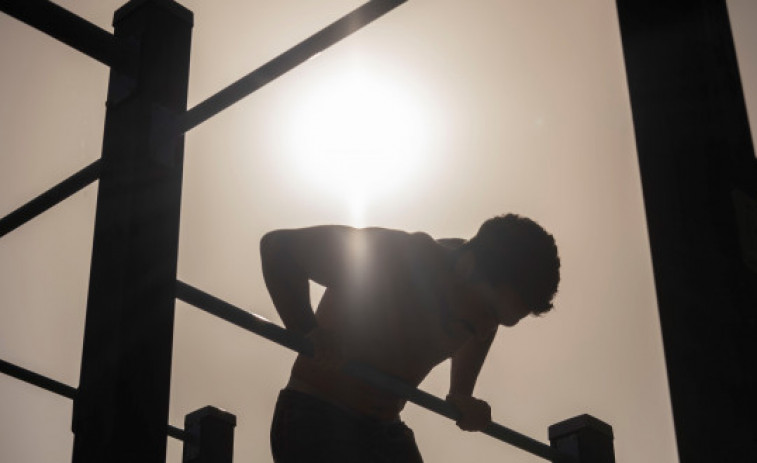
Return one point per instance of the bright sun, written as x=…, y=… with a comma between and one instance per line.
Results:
x=359, y=135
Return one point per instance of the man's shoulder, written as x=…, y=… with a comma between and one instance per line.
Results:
x=401, y=236
x=451, y=243
x=398, y=252
x=394, y=244
x=423, y=241
x=424, y=248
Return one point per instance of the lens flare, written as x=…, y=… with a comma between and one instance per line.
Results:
x=358, y=137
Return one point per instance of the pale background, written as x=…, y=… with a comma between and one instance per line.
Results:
x=455, y=111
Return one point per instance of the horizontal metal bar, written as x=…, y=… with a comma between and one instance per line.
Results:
x=178, y=433
x=65, y=390
x=279, y=335
x=36, y=379
x=50, y=198
x=72, y=30
x=288, y=60
x=242, y=318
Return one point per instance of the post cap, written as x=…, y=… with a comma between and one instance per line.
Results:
x=213, y=412
x=579, y=423
x=169, y=5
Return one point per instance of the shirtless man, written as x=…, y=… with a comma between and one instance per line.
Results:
x=402, y=303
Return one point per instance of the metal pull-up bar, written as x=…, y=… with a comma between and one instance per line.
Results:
x=293, y=341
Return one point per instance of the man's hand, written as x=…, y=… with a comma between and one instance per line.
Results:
x=327, y=352
x=475, y=414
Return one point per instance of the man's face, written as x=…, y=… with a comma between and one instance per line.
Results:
x=505, y=303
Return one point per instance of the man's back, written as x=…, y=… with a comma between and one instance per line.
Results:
x=390, y=311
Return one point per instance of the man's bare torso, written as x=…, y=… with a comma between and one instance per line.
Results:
x=393, y=314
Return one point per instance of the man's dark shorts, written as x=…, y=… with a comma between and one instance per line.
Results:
x=306, y=429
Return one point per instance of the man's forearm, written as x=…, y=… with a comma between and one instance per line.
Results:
x=462, y=382
x=466, y=365
x=287, y=284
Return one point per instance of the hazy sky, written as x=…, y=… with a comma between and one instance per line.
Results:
x=448, y=113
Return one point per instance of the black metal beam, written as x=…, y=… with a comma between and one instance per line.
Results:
x=285, y=62
x=121, y=409
x=50, y=198
x=699, y=178
x=293, y=341
x=72, y=30
x=36, y=379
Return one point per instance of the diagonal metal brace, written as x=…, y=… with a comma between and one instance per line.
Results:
x=37, y=379
x=50, y=198
x=72, y=30
x=288, y=60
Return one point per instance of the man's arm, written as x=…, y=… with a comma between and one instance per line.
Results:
x=328, y=255
x=466, y=366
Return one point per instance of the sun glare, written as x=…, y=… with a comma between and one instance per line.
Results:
x=359, y=135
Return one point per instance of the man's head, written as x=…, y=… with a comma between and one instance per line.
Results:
x=516, y=251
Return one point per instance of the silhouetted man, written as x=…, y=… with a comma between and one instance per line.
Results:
x=402, y=303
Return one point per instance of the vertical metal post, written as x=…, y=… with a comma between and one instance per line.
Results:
x=121, y=409
x=211, y=436
x=585, y=438
x=699, y=177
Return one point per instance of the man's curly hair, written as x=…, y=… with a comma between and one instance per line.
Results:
x=516, y=250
